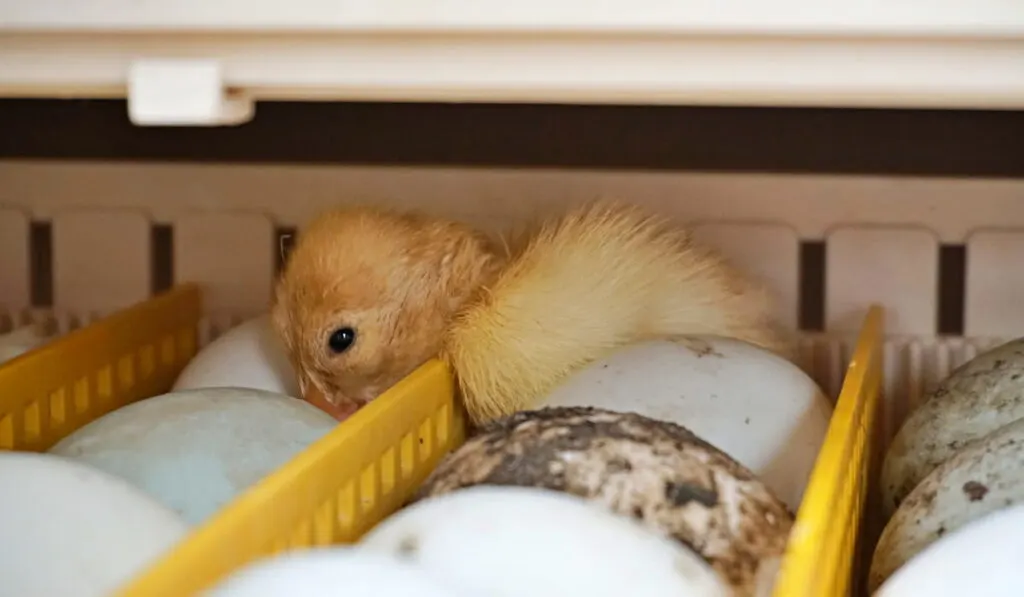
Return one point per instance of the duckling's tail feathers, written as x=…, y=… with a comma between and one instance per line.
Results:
x=600, y=277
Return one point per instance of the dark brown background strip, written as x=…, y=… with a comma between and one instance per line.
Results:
x=811, y=308
x=901, y=142
x=161, y=257
x=40, y=240
x=952, y=289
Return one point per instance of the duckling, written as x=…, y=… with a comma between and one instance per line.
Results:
x=368, y=295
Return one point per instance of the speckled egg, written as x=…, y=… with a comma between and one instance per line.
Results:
x=195, y=450
x=654, y=471
x=983, y=477
x=978, y=397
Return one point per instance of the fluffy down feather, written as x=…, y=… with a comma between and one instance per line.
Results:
x=512, y=319
x=603, y=276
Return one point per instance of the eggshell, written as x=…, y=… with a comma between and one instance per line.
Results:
x=980, y=396
x=981, y=558
x=249, y=355
x=195, y=450
x=23, y=339
x=522, y=542
x=67, y=530
x=654, y=471
x=984, y=476
x=749, y=402
x=331, y=572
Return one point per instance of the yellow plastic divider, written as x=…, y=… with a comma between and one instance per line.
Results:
x=136, y=353
x=821, y=552
x=364, y=470
x=333, y=492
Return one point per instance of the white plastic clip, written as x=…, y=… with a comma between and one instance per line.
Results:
x=183, y=93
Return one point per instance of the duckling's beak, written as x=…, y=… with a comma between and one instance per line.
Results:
x=340, y=409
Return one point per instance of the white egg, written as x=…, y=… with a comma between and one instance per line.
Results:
x=21, y=340
x=249, y=355
x=981, y=558
x=331, y=572
x=195, y=450
x=527, y=542
x=67, y=530
x=755, y=406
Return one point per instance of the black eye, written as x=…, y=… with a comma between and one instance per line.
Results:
x=341, y=340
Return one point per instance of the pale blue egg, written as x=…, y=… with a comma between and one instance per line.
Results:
x=196, y=450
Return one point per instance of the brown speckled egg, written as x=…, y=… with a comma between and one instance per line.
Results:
x=657, y=472
x=983, y=477
x=977, y=398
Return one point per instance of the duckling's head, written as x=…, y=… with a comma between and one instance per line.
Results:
x=367, y=296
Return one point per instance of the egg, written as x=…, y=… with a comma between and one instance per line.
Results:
x=23, y=339
x=756, y=406
x=249, y=355
x=982, y=477
x=525, y=542
x=330, y=572
x=195, y=450
x=654, y=471
x=68, y=530
x=980, y=396
x=981, y=558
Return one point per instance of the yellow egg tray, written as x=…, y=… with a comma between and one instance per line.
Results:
x=364, y=470
x=48, y=393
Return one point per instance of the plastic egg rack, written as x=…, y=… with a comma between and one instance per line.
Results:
x=358, y=474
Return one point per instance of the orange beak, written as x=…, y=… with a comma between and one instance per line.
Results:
x=314, y=396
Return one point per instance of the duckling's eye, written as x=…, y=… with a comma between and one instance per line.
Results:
x=341, y=340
